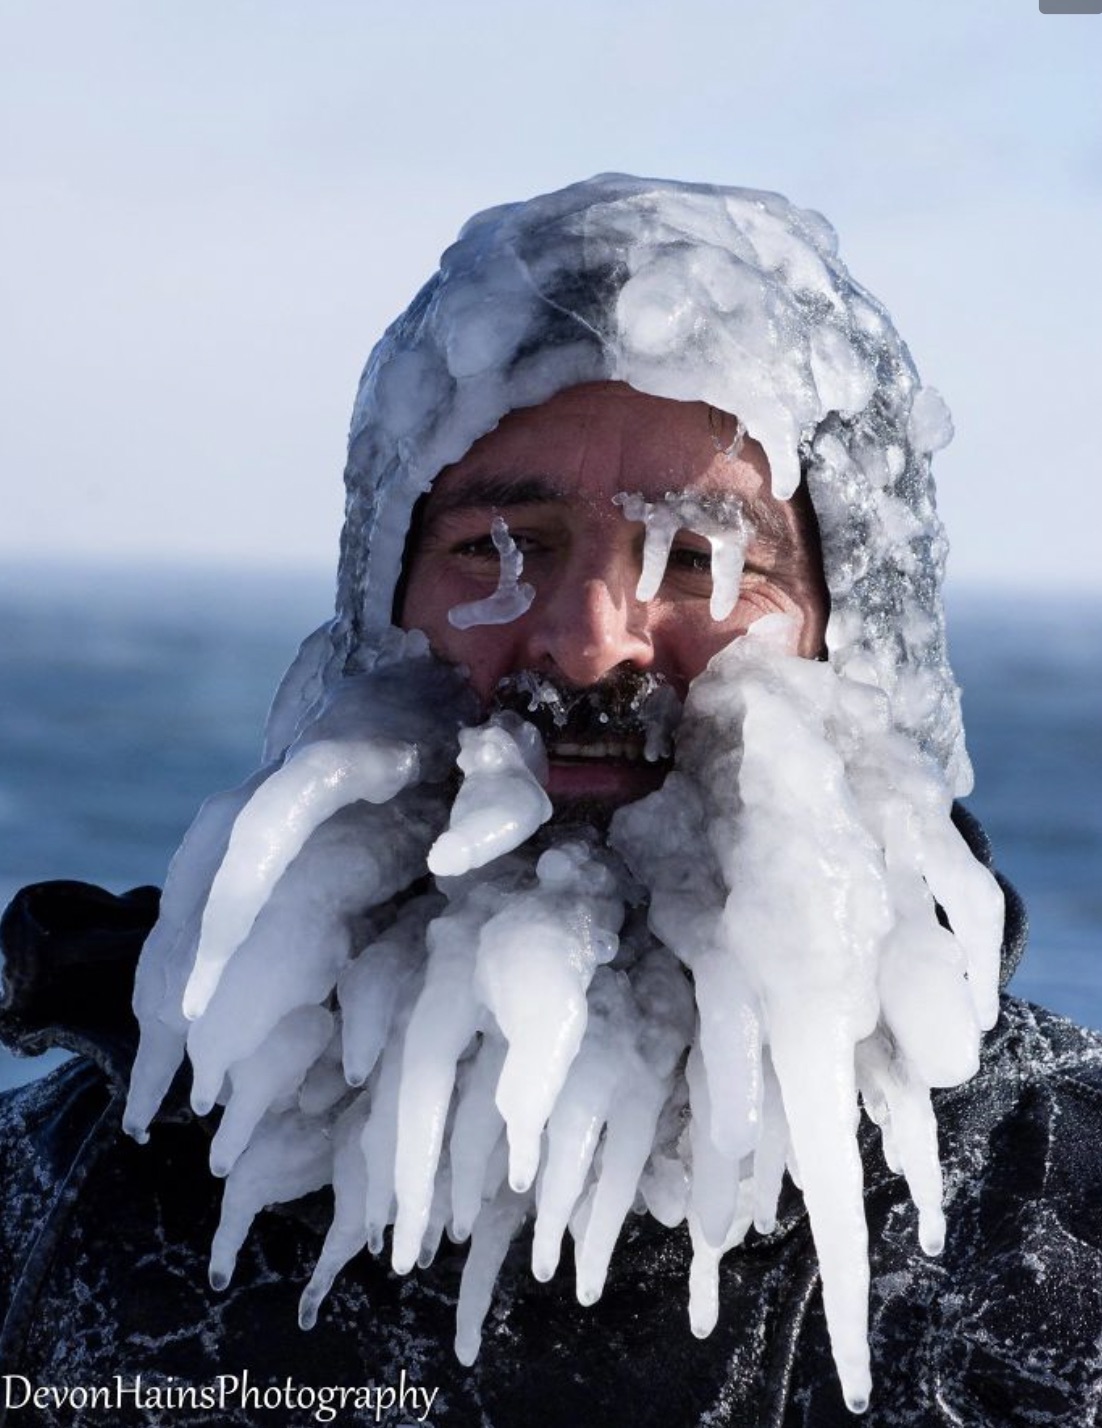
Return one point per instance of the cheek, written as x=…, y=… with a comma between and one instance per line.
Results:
x=486, y=650
x=425, y=606
x=683, y=646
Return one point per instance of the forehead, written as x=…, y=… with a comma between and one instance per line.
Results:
x=595, y=440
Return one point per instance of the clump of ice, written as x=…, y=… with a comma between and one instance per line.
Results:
x=504, y=767
x=497, y=1045
x=930, y=426
x=791, y=778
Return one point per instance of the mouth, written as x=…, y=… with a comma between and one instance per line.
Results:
x=602, y=771
x=606, y=745
x=628, y=750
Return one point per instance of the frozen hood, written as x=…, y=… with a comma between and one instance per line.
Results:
x=686, y=291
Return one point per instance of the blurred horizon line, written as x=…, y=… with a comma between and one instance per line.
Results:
x=57, y=567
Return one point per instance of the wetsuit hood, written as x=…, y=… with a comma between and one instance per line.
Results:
x=686, y=291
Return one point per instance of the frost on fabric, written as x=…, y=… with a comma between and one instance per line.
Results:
x=464, y=1053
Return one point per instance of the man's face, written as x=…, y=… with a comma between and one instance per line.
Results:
x=551, y=472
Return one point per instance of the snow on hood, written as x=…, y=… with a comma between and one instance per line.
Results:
x=687, y=291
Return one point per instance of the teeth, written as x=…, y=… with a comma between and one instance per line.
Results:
x=598, y=749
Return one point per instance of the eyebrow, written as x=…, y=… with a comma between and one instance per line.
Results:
x=493, y=492
x=482, y=492
x=766, y=520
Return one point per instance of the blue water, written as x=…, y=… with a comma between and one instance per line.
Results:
x=126, y=698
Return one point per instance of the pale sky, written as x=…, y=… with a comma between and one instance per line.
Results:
x=212, y=208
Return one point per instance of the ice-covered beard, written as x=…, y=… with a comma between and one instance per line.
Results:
x=495, y=1043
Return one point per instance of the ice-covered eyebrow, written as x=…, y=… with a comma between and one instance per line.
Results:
x=766, y=521
x=764, y=517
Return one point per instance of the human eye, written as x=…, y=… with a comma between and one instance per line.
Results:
x=707, y=567
x=480, y=547
x=690, y=559
x=483, y=547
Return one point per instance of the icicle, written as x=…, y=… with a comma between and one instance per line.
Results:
x=443, y=1021
x=273, y=1073
x=771, y=1152
x=287, y=1157
x=720, y=522
x=169, y=953
x=714, y=1194
x=730, y=1047
x=324, y=1086
x=477, y=1132
x=664, y=1184
x=815, y=975
x=661, y=1025
x=578, y=1118
x=907, y=1124
x=535, y=960
x=439, y=1211
x=379, y=1140
x=494, y=1229
x=728, y=554
x=927, y=1003
x=271, y=830
x=685, y=911
x=370, y=988
x=704, y=1268
x=300, y=942
x=511, y=598
x=347, y=1234
x=973, y=902
x=501, y=802
x=661, y=523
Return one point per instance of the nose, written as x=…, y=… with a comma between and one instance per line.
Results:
x=587, y=627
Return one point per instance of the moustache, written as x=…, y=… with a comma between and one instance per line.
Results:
x=630, y=710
